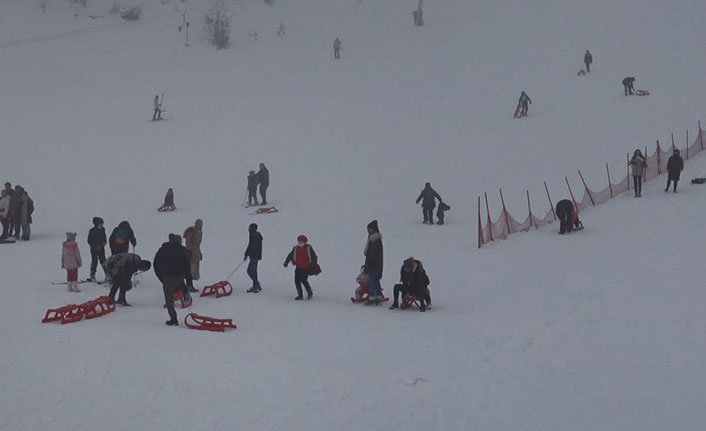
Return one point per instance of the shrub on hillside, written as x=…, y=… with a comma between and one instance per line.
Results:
x=131, y=13
x=217, y=24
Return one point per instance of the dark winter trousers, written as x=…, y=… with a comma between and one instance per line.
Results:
x=422, y=295
x=588, y=67
x=301, y=277
x=96, y=256
x=669, y=182
x=157, y=115
x=252, y=272
x=17, y=226
x=263, y=194
x=5, y=226
x=629, y=89
x=637, y=181
x=170, y=284
x=336, y=53
x=440, y=216
x=523, y=109
x=122, y=282
x=252, y=196
x=564, y=222
x=428, y=214
x=397, y=291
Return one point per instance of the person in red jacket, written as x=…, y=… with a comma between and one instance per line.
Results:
x=304, y=259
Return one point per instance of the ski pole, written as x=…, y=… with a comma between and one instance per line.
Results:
x=236, y=268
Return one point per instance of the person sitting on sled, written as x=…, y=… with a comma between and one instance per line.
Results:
x=168, y=204
x=413, y=281
x=568, y=216
x=362, y=288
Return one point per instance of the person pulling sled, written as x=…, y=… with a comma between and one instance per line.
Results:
x=523, y=105
x=254, y=252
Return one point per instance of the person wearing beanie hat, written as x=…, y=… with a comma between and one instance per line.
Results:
x=373, y=253
x=305, y=260
x=252, y=188
x=122, y=267
x=172, y=267
x=96, y=242
x=254, y=252
x=71, y=261
x=675, y=165
x=428, y=196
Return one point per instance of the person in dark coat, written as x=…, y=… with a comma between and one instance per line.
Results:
x=373, y=263
x=121, y=238
x=588, y=60
x=524, y=103
x=97, y=241
x=428, y=196
x=26, y=211
x=168, y=204
x=337, y=48
x=15, y=213
x=413, y=281
x=252, y=188
x=304, y=259
x=628, y=85
x=157, y=114
x=568, y=216
x=443, y=207
x=675, y=165
x=263, y=177
x=122, y=267
x=254, y=252
x=172, y=267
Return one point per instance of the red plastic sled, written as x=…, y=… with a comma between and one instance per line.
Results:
x=179, y=296
x=98, y=307
x=265, y=210
x=581, y=72
x=222, y=288
x=642, y=93
x=517, y=111
x=206, y=323
x=67, y=314
x=166, y=208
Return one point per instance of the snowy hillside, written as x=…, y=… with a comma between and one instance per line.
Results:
x=598, y=330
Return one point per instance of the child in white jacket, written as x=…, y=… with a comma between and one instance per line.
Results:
x=71, y=261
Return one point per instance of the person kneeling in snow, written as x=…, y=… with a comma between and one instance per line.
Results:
x=568, y=216
x=122, y=267
x=413, y=281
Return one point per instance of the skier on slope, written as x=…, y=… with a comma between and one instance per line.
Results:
x=254, y=252
x=97, y=241
x=172, y=267
x=413, y=281
x=252, y=188
x=122, y=267
x=628, y=85
x=157, y=114
x=524, y=103
x=568, y=216
x=588, y=60
x=428, y=196
x=675, y=165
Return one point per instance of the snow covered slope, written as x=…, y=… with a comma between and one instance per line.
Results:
x=598, y=330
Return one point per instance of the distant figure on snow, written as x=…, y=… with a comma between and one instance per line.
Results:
x=254, y=252
x=587, y=60
x=628, y=85
x=157, y=115
x=263, y=177
x=304, y=259
x=252, y=188
x=168, y=204
x=337, y=48
x=524, y=103
x=638, y=166
x=71, y=261
x=428, y=196
x=443, y=207
x=4, y=213
x=675, y=165
x=568, y=216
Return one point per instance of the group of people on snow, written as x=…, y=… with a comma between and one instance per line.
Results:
x=16, y=209
x=638, y=170
x=261, y=178
x=428, y=197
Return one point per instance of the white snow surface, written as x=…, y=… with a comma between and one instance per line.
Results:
x=603, y=329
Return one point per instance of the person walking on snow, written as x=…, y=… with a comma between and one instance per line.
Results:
x=121, y=238
x=675, y=165
x=628, y=85
x=71, y=261
x=252, y=188
x=638, y=167
x=524, y=103
x=588, y=60
x=172, y=267
x=263, y=177
x=304, y=258
x=157, y=115
x=428, y=196
x=373, y=263
x=337, y=49
x=97, y=241
x=254, y=252
x=122, y=267
x=193, y=236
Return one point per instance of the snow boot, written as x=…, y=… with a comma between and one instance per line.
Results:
x=172, y=322
x=299, y=298
x=393, y=306
x=76, y=289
